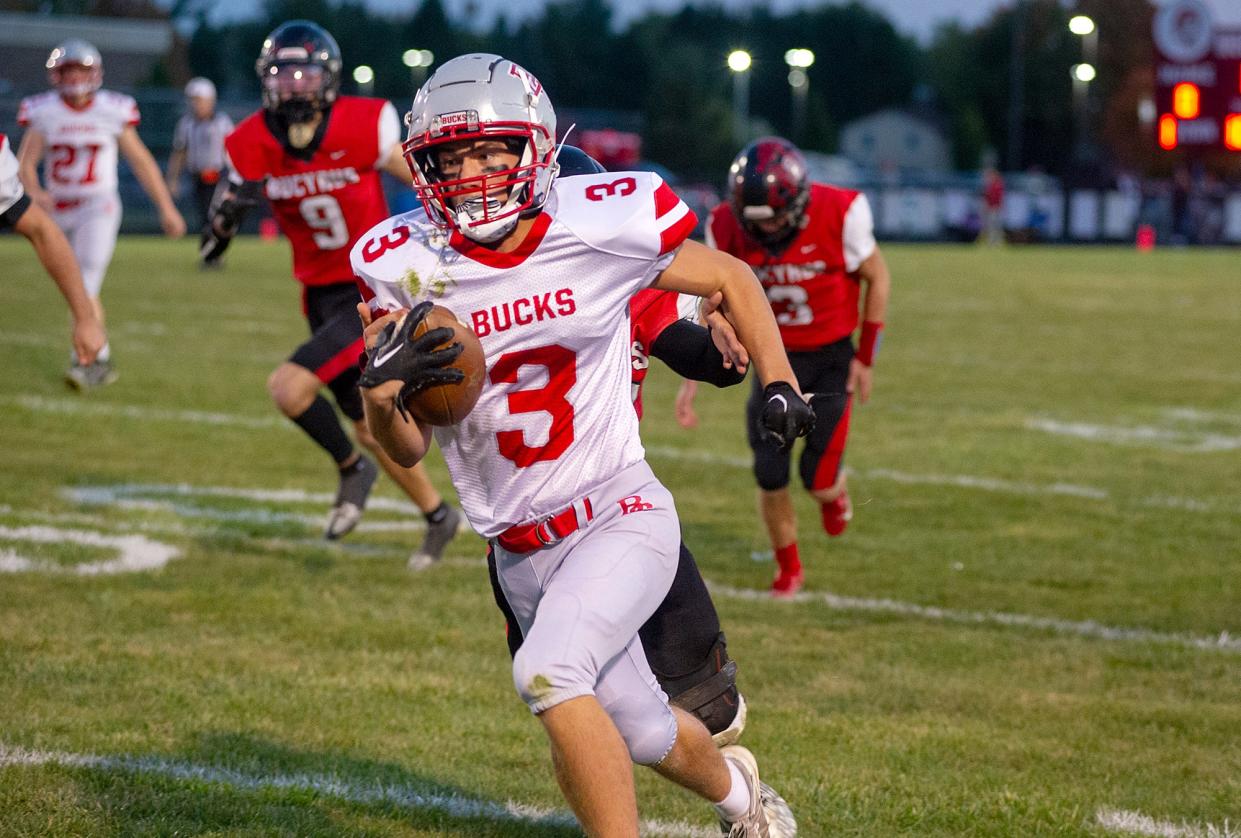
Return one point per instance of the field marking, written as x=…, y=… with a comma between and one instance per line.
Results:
x=180, y=530
x=136, y=553
x=406, y=796
x=965, y=481
x=105, y=494
x=962, y=481
x=31, y=339
x=1185, y=441
x=1223, y=641
x=1136, y=823
x=77, y=407
x=1193, y=414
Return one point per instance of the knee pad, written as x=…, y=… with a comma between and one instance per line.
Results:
x=647, y=725
x=710, y=691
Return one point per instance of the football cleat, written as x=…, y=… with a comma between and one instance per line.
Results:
x=731, y=734
x=90, y=376
x=787, y=584
x=437, y=538
x=355, y=488
x=837, y=514
x=768, y=816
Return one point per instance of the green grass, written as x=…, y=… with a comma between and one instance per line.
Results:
x=261, y=653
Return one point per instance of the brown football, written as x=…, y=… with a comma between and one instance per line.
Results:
x=448, y=404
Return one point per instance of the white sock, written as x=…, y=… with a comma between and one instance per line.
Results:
x=105, y=353
x=737, y=802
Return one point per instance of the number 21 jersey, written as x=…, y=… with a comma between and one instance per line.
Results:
x=322, y=204
x=80, y=158
x=555, y=418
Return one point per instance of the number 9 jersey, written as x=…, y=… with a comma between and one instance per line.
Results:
x=555, y=418
x=325, y=202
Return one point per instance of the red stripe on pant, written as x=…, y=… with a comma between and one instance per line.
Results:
x=825, y=474
x=341, y=361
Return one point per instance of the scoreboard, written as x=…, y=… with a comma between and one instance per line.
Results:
x=1197, y=79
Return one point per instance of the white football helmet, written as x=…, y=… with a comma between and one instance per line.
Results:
x=480, y=96
x=75, y=52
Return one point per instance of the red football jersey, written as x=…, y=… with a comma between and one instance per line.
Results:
x=811, y=291
x=650, y=312
x=323, y=204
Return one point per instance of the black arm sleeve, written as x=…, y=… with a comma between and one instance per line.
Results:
x=688, y=351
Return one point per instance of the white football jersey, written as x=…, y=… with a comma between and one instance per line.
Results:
x=10, y=186
x=554, y=419
x=80, y=157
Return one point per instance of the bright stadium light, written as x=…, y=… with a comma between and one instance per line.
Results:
x=1084, y=72
x=363, y=74
x=1081, y=25
x=417, y=58
x=799, y=58
x=739, y=63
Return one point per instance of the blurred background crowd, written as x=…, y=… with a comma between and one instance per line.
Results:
x=1040, y=121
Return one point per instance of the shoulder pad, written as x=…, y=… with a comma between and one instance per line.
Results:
x=398, y=260
x=631, y=214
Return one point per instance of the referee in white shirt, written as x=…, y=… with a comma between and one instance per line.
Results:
x=198, y=145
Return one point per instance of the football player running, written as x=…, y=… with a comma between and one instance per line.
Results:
x=813, y=247
x=548, y=464
x=683, y=641
x=78, y=128
x=317, y=157
x=53, y=250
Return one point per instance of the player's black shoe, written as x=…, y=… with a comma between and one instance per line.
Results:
x=355, y=488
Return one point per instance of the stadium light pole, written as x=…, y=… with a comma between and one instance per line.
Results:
x=1083, y=74
x=417, y=60
x=799, y=61
x=365, y=78
x=739, y=63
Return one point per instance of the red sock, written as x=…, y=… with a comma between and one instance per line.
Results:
x=788, y=559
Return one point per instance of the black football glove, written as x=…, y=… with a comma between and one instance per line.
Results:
x=785, y=415
x=416, y=363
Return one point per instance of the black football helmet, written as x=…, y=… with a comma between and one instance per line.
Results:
x=573, y=161
x=299, y=71
x=768, y=182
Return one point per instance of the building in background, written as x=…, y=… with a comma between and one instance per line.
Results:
x=896, y=139
x=131, y=48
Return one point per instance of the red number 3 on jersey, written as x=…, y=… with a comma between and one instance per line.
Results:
x=619, y=188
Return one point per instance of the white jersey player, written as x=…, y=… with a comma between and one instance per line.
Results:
x=76, y=131
x=548, y=464
x=53, y=250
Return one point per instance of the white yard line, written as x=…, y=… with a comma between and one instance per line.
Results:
x=113, y=491
x=407, y=796
x=1188, y=441
x=1181, y=441
x=78, y=407
x=1193, y=414
x=1223, y=641
x=135, y=553
x=1136, y=823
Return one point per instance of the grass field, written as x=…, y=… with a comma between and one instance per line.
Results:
x=1033, y=626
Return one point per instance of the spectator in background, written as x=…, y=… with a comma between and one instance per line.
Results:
x=992, y=206
x=198, y=145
